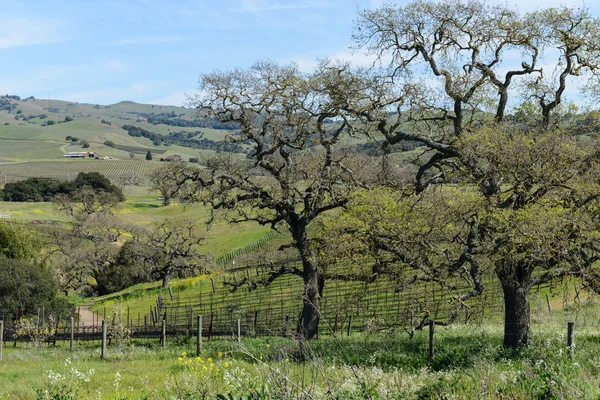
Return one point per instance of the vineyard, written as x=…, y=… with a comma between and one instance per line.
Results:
x=242, y=288
x=115, y=170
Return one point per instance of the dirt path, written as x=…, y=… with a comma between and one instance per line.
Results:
x=86, y=317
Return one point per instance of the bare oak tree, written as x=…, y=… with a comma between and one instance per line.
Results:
x=296, y=169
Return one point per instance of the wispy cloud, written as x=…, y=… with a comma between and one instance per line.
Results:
x=357, y=59
x=147, y=40
x=177, y=98
x=267, y=5
x=114, y=65
x=17, y=32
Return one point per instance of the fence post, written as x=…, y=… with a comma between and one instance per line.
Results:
x=72, y=333
x=350, y=326
x=548, y=301
x=239, y=330
x=570, y=338
x=163, y=334
x=1, y=337
x=103, y=339
x=431, y=339
x=199, y=335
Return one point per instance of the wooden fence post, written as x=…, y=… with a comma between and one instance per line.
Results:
x=239, y=331
x=199, y=335
x=72, y=333
x=431, y=339
x=350, y=326
x=548, y=301
x=1, y=337
x=103, y=339
x=570, y=338
x=163, y=334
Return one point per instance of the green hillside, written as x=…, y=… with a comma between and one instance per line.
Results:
x=35, y=130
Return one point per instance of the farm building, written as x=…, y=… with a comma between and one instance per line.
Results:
x=82, y=154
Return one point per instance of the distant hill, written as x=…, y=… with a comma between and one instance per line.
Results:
x=36, y=130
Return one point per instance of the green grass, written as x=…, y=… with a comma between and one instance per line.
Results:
x=469, y=363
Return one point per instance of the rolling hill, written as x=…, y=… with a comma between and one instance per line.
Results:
x=33, y=135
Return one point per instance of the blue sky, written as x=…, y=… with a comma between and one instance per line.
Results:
x=152, y=51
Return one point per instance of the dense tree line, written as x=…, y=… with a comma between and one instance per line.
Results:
x=45, y=189
x=173, y=119
x=185, y=139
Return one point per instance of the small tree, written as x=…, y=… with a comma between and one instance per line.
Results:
x=170, y=180
x=171, y=247
x=148, y=156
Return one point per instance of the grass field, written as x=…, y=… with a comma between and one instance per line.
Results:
x=469, y=363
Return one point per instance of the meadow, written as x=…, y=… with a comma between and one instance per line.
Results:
x=469, y=362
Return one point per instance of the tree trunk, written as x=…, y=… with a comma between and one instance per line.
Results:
x=313, y=283
x=165, y=280
x=516, y=284
x=311, y=310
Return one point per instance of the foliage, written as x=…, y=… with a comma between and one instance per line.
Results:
x=26, y=287
x=128, y=269
x=148, y=156
x=46, y=189
x=18, y=242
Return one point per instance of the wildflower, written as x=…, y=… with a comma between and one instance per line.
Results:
x=220, y=354
x=268, y=346
x=183, y=354
x=179, y=359
x=225, y=364
x=209, y=360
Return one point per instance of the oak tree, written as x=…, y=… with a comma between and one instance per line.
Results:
x=453, y=73
x=297, y=168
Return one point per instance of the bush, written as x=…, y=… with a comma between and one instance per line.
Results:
x=26, y=286
x=85, y=144
x=109, y=143
x=68, y=119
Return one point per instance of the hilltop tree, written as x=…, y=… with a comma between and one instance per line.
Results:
x=296, y=169
x=148, y=156
x=454, y=69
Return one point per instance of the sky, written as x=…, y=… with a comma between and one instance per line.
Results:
x=153, y=51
